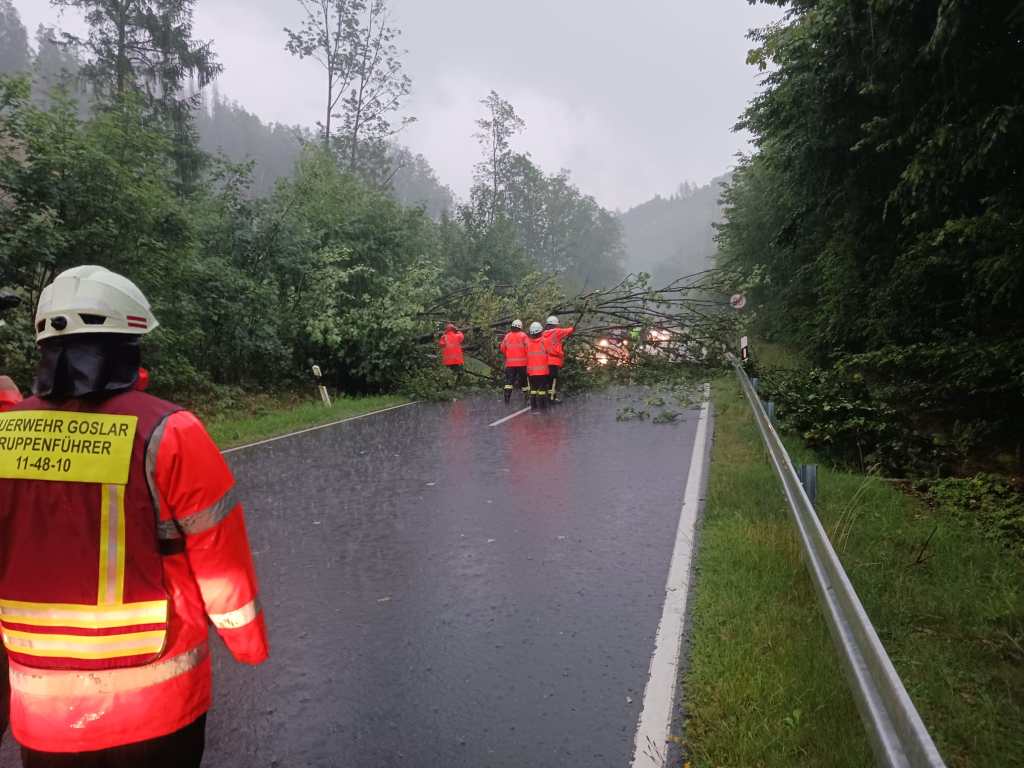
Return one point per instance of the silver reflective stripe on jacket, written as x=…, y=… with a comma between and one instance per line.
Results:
x=238, y=618
x=152, y=450
x=203, y=520
x=55, y=682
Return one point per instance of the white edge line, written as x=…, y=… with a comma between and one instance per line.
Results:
x=318, y=427
x=499, y=422
x=650, y=748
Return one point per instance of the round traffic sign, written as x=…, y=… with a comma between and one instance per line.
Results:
x=738, y=301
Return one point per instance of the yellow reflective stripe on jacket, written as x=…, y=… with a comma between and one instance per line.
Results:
x=112, y=545
x=80, y=683
x=82, y=616
x=237, y=618
x=84, y=646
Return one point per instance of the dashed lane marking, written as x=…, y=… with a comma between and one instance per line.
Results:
x=499, y=422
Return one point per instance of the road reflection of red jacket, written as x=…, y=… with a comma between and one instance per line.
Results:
x=451, y=347
x=554, y=337
x=513, y=347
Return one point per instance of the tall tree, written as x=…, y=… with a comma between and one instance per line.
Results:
x=144, y=46
x=14, y=52
x=354, y=42
x=329, y=34
x=378, y=87
x=492, y=173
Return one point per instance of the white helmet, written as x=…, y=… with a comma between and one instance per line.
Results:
x=517, y=324
x=536, y=328
x=92, y=299
x=552, y=320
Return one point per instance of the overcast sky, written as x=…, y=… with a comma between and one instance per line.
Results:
x=633, y=98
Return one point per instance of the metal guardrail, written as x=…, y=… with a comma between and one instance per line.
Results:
x=898, y=735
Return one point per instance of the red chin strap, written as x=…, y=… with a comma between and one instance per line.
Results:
x=143, y=381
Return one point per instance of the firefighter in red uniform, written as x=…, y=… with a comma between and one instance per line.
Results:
x=451, y=349
x=537, y=367
x=513, y=349
x=555, y=336
x=120, y=543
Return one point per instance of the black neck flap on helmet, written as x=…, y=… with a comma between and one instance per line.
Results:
x=87, y=365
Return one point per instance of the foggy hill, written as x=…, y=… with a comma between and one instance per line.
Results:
x=673, y=236
x=226, y=126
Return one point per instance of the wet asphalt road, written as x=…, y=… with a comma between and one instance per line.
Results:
x=442, y=593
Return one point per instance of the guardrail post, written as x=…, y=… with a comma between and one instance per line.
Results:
x=755, y=382
x=769, y=409
x=808, y=474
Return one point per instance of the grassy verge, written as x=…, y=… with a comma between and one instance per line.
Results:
x=229, y=430
x=764, y=687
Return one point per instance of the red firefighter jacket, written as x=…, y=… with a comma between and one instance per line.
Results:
x=451, y=348
x=513, y=347
x=120, y=543
x=554, y=338
x=537, y=357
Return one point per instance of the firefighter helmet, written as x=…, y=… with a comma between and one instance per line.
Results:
x=536, y=328
x=90, y=299
x=552, y=320
x=517, y=324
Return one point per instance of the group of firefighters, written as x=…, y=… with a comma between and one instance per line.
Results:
x=532, y=360
x=121, y=544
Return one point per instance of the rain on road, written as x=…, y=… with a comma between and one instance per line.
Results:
x=444, y=593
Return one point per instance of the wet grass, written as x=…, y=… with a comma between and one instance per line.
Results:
x=270, y=420
x=764, y=686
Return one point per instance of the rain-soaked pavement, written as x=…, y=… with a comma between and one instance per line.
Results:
x=443, y=593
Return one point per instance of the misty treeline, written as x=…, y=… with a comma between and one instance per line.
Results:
x=672, y=236
x=331, y=252
x=879, y=223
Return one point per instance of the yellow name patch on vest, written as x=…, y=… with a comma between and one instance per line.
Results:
x=66, y=446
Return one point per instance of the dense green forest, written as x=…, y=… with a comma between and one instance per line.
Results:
x=265, y=248
x=878, y=224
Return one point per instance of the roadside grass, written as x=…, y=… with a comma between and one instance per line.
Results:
x=269, y=420
x=764, y=687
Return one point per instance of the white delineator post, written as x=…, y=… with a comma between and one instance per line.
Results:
x=324, y=396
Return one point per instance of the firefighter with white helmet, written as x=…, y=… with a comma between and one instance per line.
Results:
x=106, y=615
x=513, y=349
x=555, y=335
x=537, y=367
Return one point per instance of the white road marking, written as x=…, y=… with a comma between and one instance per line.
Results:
x=650, y=748
x=314, y=429
x=499, y=422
